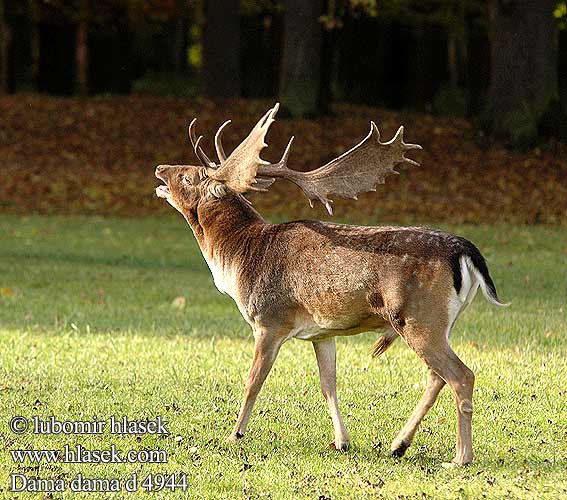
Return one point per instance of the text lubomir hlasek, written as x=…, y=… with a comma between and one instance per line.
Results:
x=114, y=425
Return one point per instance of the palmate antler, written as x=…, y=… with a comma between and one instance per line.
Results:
x=238, y=170
x=357, y=171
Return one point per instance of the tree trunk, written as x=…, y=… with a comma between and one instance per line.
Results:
x=452, y=61
x=300, y=74
x=457, y=57
x=4, y=50
x=180, y=39
x=523, y=60
x=328, y=75
x=35, y=47
x=221, y=49
x=82, y=50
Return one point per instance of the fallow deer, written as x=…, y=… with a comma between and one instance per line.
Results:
x=314, y=280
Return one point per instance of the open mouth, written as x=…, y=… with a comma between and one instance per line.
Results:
x=162, y=191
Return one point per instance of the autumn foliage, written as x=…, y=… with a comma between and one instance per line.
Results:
x=97, y=156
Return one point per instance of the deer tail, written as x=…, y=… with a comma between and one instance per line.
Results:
x=383, y=343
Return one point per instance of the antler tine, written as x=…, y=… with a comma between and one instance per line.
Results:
x=265, y=181
x=205, y=160
x=268, y=118
x=283, y=161
x=192, y=135
x=408, y=147
x=201, y=154
x=375, y=130
x=218, y=142
x=261, y=128
x=398, y=139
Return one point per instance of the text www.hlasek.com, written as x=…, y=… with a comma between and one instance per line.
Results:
x=79, y=454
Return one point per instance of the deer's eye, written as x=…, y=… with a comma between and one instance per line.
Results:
x=186, y=180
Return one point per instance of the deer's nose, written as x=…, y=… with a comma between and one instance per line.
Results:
x=160, y=169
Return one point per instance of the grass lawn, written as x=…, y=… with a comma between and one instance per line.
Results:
x=88, y=327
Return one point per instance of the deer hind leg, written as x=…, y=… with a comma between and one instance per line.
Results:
x=432, y=346
x=461, y=380
x=266, y=348
x=325, y=351
x=405, y=437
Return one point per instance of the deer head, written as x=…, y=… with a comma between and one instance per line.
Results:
x=358, y=170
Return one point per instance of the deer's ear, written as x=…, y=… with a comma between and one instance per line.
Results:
x=211, y=186
x=216, y=189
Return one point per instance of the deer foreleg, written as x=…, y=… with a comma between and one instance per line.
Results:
x=266, y=348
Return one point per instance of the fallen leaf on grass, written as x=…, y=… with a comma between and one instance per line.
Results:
x=179, y=302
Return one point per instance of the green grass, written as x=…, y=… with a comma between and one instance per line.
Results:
x=87, y=327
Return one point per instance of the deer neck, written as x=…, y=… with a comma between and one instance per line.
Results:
x=223, y=229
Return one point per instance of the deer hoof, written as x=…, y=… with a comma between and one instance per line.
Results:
x=342, y=446
x=234, y=437
x=399, y=449
x=456, y=462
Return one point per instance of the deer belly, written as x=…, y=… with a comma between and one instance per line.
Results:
x=306, y=330
x=312, y=328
